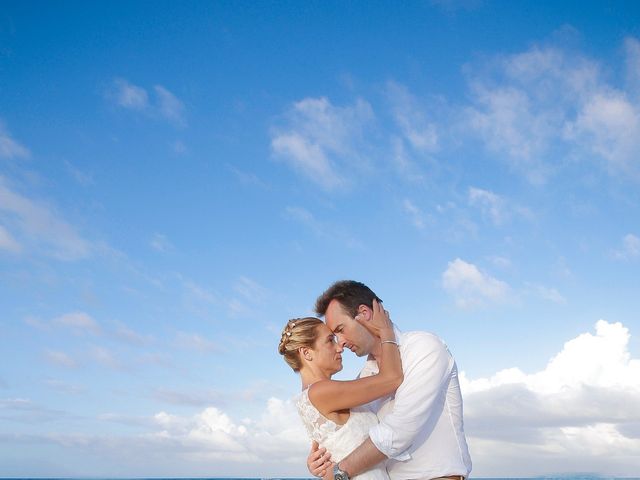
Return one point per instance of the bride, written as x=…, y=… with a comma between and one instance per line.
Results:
x=332, y=411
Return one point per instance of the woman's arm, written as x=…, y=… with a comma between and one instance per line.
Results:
x=332, y=395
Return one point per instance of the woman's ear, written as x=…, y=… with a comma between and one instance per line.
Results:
x=305, y=353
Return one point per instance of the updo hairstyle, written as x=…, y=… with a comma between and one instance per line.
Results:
x=298, y=333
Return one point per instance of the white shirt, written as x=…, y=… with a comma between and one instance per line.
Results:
x=421, y=429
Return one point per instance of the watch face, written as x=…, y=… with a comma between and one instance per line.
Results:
x=339, y=474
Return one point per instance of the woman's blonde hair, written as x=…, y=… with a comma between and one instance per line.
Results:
x=298, y=333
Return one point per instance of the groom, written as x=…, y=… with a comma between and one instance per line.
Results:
x=420, y=434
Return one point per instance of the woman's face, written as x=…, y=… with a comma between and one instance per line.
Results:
x=327, y=352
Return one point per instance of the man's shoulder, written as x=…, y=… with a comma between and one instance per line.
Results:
x=423, y=341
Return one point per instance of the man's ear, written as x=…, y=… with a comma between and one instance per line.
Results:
x=364, y=312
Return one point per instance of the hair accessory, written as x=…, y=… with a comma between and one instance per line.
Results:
x=293, y=324
x=288, y=334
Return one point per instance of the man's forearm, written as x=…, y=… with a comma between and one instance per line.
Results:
x=362, y=458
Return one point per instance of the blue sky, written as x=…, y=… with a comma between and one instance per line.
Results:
x=178, y=180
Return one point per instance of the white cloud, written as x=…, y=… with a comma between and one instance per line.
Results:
x=471, y=287
x=199, y=399
x=323, y=141
x=194, y=341
x=418, y=218
x=78, y=322
x=10, y=148
x=500, y=261
x=198, y=299
x=25, y=411
x=504, y=119
x=277, y=435
x=170, y=106
x=37, y=222
x=160, y=243
x=321, y=229
x=402, y=161
x=491, y=204
x=60, y=358
x=609, y=125
x=495, y=207
x=179, y=147
x=132, y=337
x=585, y=403
x=416, y=129
x=250, y=289
x=133, y=97
x=64, y=387
x=632, y=51
x=78, y=175
x=7, y=242
x=130, y=96
x=547, y=293
x=543, y=107
x=274, y=444
x=105, y=357
x=630, y=248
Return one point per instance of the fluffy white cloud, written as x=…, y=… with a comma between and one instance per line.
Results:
x=472, y=287
x=275, y=444
x=609, y=125
x=540, y=108
x=505, y=120
x=585, y=403
x=323, y=141
x=40, y=227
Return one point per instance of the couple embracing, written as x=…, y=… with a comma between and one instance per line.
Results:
x=401, y=419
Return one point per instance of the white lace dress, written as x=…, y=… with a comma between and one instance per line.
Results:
x=340, y=440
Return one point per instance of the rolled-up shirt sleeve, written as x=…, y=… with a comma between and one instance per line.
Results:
x=427, y=365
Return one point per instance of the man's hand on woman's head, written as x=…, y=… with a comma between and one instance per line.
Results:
x=319, y=462
x=379, y=324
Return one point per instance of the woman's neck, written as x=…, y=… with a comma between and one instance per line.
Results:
x=309, y=376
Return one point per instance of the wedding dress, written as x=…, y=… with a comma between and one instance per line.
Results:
x=340, y=440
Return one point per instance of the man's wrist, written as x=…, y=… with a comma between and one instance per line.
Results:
x=339, y=473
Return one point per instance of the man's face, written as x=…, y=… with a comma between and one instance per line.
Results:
x=349, y=333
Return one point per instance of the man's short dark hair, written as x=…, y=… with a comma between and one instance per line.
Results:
x=350, y=294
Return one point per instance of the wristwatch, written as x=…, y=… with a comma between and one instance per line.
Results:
x=339, y=474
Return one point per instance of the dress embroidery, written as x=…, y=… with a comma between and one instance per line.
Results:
x=340, y=440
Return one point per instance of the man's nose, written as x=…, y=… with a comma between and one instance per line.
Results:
x=339, y=346
x=340, y=340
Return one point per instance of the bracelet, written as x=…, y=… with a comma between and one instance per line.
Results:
x=391, y=341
